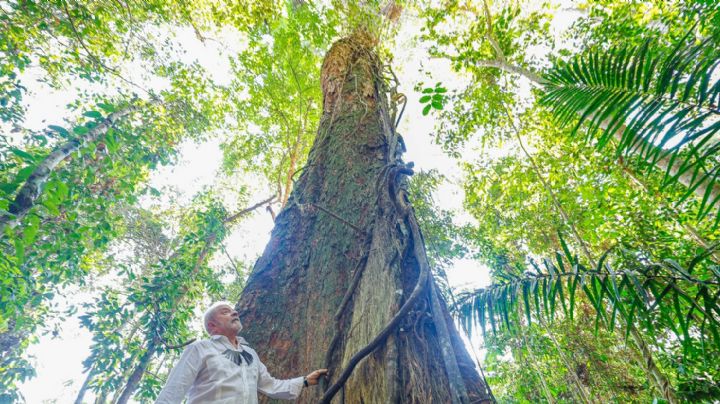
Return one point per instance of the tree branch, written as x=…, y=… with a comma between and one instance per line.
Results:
x=489, y=34
x=231, y=219
x=32, y=188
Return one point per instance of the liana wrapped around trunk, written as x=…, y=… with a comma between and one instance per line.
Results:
x=344, y=282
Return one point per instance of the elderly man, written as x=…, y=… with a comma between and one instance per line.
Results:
x=223, y=369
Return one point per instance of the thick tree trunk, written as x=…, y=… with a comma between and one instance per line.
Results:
x=347, y=239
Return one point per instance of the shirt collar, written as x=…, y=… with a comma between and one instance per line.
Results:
x=225, y=341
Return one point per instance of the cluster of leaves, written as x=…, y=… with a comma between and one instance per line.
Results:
x=277, y=98
x=561, y=362
x=653, y=106
x=153, y=308
x=662, y=296
x=434, y=98
x=625, y=71
x=56, y=242
x=443, y=237
x=73, y=215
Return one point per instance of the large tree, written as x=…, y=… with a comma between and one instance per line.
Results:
x=345, y=273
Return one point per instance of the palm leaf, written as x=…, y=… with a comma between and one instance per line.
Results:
x=657, y=297
x=661, y=106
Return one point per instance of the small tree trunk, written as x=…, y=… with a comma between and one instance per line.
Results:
x=138, y=372
x=84, y=387
x=656, y=376
x=344, y=240
x=533, y=366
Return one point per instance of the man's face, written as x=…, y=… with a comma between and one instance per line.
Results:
x=225, y=321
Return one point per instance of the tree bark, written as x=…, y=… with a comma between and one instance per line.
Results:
x=83, y=389
x=347, y=238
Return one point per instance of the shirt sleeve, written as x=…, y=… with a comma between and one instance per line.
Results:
x=281, y=389
x=181, y=377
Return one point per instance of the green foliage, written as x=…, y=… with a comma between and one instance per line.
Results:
x=433, y=97
x=625, y=67
x=663, y=297
x=153, y=306
x=605, y=23
x=545, y=362
x=276, y=96
x=443, y=238
x=57, y=243
x=598, y=199
x=655, y=106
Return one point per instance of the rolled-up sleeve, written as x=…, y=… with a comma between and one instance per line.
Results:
x=281, y=389
x=181, y=377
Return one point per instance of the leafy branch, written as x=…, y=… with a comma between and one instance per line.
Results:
x=659, y=296
x=661, y=106
x=656, y=105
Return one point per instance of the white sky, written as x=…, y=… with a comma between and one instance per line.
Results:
x=58, y=360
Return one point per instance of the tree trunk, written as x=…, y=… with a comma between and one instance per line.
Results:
x=347, y=239
x=83, y=389
x=137, y=374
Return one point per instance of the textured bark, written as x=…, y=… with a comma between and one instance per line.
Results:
x=344, y=221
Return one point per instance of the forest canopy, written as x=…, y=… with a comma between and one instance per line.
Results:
x=566, y=182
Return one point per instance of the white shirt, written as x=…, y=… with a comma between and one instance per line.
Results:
x=208, y=376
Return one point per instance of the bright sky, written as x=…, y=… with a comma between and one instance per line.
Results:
x=58, y=360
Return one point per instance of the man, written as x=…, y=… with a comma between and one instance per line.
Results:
x=224, y=370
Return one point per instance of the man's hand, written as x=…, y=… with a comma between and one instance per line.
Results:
x=312, y=378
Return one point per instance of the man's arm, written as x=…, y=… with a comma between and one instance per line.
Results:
x=274, y=388
x=181, y=377
x=285, y=389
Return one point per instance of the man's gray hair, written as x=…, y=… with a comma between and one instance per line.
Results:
x=210, y=313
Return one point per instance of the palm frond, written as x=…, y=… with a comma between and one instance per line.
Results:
x=661, y=297
x=659, y=106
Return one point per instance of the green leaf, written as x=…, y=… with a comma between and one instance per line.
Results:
x=24, y=174
x=436, y=104
x=526, y=301
x=59, y=129
x=23, y=155
x=428, y=91
x=93, y=114
x=30, y=231
x=80, y=130
x=106, y=107
x=425, y=99
x=51, y=206
x=426, y=110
